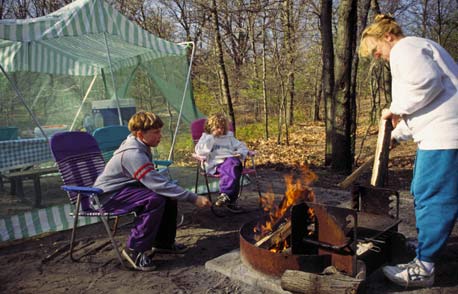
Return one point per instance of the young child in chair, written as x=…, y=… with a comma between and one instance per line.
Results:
x=224, y=156
x=131, y=182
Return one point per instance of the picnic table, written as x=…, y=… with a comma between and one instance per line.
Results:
x=18, y=160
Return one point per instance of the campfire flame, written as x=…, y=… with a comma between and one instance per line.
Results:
x=297, y=191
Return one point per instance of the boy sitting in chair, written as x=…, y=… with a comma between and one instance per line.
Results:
x=130, y=180
x=224, y=156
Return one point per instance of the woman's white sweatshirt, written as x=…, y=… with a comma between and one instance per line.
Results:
x=425, y=93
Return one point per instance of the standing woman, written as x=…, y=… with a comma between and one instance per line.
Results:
x=424, y=108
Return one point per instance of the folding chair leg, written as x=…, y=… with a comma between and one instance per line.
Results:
x=209, y=195
x=113, y=242
x=258, y=189
x=107, y=228
x=75, y=225
x=197, y=180
x=115, y=225
x=242, y=178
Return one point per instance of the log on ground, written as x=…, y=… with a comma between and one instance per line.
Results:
x=304, y=282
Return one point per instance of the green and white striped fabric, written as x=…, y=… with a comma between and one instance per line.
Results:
x=73, y=41
x=53, y=219
x=57, y=218
x=39, y=221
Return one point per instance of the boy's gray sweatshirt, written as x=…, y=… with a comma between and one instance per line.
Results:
x=132, y=164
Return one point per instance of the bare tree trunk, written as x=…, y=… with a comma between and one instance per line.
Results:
x=2, y=8
x=363, y=13
x=264, y=78
x=327, y=74
x=224, y=81
x=342, y=158
x=255, y=71
x=252, y=27
x=318, y=94
x=288, y=44
x=424, y=19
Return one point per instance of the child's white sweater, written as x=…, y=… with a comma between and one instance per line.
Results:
x=216, y=149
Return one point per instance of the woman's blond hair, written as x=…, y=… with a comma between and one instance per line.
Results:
x=143, y=121
x=383, y=23
x=218, y=120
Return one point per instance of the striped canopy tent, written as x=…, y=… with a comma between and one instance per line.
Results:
x=89, y=44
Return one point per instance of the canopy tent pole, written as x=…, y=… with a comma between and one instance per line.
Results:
x=112, y=78
x=129, y=80
x=188, y=78
x=15, y=88
x=104, y=79
x=35, y=100
x=82, y=103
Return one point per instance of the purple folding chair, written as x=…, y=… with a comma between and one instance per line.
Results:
x=80, y=161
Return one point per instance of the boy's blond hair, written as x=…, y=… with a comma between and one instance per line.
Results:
x=382, y=24
x=216, y=120
x=143, y=121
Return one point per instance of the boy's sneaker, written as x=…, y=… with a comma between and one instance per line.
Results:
x=412, y=274
x=138, y=260
x=176, y=248
x=222, y=199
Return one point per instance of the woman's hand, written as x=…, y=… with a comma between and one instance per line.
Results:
x=387, y=114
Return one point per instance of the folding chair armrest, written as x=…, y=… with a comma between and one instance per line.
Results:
x=85, y=190
x=199, y=157
x=250, y=156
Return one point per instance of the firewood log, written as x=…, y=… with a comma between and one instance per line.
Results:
x=277, y=236
x=382, y=152
x=304, y=282
x=356, y=173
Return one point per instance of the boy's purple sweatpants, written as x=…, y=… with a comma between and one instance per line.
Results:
x=230, y=171
x=155, y=223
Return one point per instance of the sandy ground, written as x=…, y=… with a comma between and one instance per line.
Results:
x=23, y=270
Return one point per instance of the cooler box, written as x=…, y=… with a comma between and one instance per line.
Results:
x=105, y=112
x=49, y=130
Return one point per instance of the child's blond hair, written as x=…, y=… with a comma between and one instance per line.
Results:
x=143, y=121
x=382, y=24
x=215, y=121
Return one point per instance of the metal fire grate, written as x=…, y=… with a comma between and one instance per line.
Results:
x=323, y=235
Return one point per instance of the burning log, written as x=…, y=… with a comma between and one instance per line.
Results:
x=304, y=282
x=277, y=227
x=276, y=237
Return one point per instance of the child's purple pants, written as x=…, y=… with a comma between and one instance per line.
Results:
x=155, y=221
x=230, y=171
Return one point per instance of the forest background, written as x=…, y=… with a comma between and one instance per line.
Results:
x=276, y=67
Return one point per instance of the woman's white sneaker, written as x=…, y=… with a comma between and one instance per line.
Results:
x=412, y=274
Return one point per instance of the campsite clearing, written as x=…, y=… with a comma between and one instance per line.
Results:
x=22, y=269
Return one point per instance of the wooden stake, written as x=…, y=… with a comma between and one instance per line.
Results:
x=355, y=174
x=382, y=152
